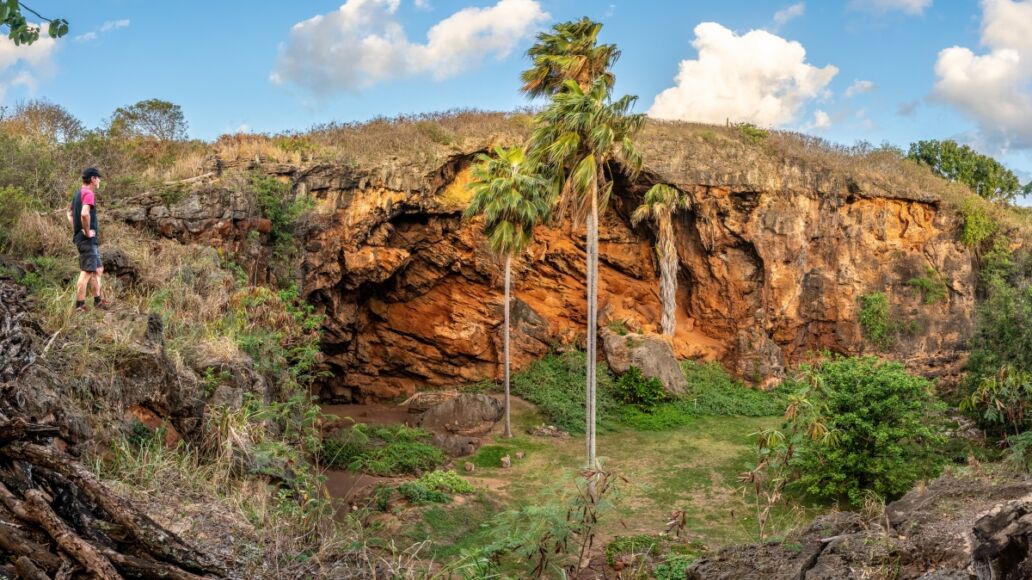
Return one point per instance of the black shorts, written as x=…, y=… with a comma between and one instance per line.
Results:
x=89, y=255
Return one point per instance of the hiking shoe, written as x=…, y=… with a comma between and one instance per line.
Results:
x=102, y=304
x=80, y=308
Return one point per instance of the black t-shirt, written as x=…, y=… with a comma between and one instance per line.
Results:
x=84, y=196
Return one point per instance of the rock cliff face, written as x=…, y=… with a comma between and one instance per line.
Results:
x=774, y=259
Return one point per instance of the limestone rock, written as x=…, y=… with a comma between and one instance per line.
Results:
x=467, y=414
x=774, y=256
x=506, y=462
x=650, y=353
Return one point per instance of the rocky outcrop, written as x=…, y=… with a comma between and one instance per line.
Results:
x=774, y=257
x=956, y=528
x=651, y=354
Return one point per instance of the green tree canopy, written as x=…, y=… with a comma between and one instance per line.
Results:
x=151, y=118
x=512, y=196
x=20, y=30
x=570, y=51
x=960, y=163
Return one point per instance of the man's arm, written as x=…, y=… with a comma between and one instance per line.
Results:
x=85, y=214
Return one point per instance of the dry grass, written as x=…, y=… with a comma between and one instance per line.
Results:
x=248, y=520
x=423, y=140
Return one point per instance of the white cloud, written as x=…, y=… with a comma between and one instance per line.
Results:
x=757, y=77
x=106, y=27
x=860, y=87
x=423, y=4
x=994, y=88
x=362, y=44
x=783, y=16
x=114, y=24
x=23, y=65
x=821, y=120
x=912, y=7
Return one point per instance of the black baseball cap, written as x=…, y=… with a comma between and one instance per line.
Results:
x=90, y=173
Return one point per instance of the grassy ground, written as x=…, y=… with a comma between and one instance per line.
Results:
x=693, y=468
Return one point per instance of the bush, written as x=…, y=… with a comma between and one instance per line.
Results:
x=446, y=481
x=388, y=450
x=879, y=429
x=997, y=391
x=712, y=391
x=1019, y=451
x=15, y=201
x=932, y=287
x=634, y=388
x=875, y=319
x=555, y=384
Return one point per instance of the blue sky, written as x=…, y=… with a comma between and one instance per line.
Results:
x=218, y=61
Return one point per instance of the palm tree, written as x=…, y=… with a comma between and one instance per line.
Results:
x=569, y=52
x=513, y=197
x=661, y=201
x=577, y=136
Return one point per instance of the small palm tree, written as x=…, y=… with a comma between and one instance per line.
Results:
x=661, y=201
x=577, y=136
x=513, y=198
x=569, y=52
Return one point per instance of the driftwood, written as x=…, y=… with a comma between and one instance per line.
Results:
x=53, y=509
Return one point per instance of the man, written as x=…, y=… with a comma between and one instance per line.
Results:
x=82, y=215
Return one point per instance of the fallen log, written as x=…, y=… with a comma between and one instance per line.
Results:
x=155, y=539
x=16, y=543
x=28, y=570
x=36, y=509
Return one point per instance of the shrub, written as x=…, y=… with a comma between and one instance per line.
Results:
x=1019, y=451
x=752, y=133
x=418, y=494
x=15, y=201
x=979, y=226
x=997, y=390
x=712, y=391
x=634, y=388
x=932, y=287
x=875, y=319
x=879, y=429
x=555, y=384
x=388, y=450
x=446, y=481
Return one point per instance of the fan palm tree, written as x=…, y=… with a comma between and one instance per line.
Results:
x=576, y=137
x=513, y=198
x=661, y=201
x=570, y=51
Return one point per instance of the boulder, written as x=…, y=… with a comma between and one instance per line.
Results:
x=467, y=414
x=956, y=527
x=651, y=353
x=456, y=445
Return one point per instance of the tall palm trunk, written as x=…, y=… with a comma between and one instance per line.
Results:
x=592, y=247
x=505, y=342
x=667, y=272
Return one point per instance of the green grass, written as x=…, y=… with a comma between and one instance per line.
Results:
x=712, y=391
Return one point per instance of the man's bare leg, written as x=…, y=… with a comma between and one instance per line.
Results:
x=81, y=284
x=95, y=279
